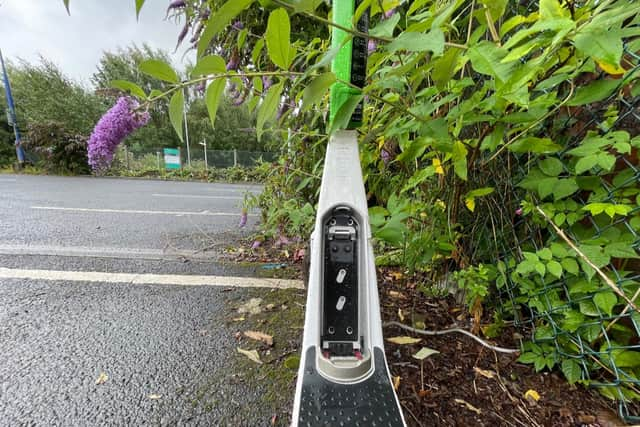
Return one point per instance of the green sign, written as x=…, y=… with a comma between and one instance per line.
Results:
x=172, y=158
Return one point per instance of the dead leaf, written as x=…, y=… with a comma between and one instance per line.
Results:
x=401, y=315
x=259, y=336
x=396, y=275
x=102, y=378
x=469, y=406
x=270, y=307
x=424, y=353
x=396, y=383
x=238, y=319
x=404, y=340
x=251, y=307
x=155, y=396
x=395, y=294
x=532, y=396
x=484, y=373
x=251, y=354
x=423, y=393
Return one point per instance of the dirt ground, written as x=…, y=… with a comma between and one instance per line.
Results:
x=465, y=383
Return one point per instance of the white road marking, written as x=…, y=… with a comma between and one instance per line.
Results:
x=195, y=196
x=101, y=252
x=149, y=279
x=135, y=211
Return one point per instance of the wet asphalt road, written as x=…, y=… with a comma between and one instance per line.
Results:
x=162, y=347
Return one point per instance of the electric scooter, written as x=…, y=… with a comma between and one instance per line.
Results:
x=343, y=378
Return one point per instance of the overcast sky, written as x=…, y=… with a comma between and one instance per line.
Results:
x=75, y=43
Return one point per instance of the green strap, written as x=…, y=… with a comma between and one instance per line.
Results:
x=342, y=65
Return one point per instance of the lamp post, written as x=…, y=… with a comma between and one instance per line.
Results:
x=12, y=114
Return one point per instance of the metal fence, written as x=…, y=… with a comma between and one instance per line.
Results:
x=197, y=159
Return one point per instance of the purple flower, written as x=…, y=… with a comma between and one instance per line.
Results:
x=389, y=13
x=386, y=156
x=519, y=212
x=176, y=4
x=238, y=25
x=256, y=244
x=266, y=82
x=233, y=63
x=371, y=46
x=112, y=128
x=243, y=218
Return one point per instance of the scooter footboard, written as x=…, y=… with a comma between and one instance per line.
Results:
x=371, y=402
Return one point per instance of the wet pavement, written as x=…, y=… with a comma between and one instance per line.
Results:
x=79, y=353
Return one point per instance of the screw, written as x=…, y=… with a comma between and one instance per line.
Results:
x=349, y=330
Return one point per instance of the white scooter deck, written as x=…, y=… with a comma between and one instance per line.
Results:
x=343, y=379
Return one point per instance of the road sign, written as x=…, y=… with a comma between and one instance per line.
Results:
x=172, y=158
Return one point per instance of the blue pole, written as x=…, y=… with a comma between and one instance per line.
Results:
x=12, y=112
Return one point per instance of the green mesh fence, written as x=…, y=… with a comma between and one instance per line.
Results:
x=573, y=320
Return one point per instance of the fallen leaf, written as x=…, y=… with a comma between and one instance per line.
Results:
x=423, y=393
x=532, y=396
x=155, y=396
x=251, y=354
x=238, y=319
x=396, y=275
x=404, y=340
x=292, y=362
x=424, y=353
x=468, y=405
x=396, y=383
x=286, y=253
x=395, y=294
x=270, y=307
x=401, y=315
x=420, y=325
x=251, y=307
x=259, y=336
x=102, y=378
x=484, y=373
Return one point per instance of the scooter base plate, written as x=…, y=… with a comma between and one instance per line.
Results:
x=371, y=402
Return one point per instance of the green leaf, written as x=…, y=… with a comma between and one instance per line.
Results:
x=545, y=254
x=219, y=20
x=257, y=50
x=626, y=358
x=485, y=59
x=528, y=357
x=554, y=268
x=570, y=266
x=159, y=70
x=316, y=90
x=572, y=320
x=444, y=67
x=460, y=160
x=620, y=250
x=545, y=186
x=496, y=8
x=139, y=4
x=602, y=44
x=419, y=42
x=343, y=116
x=212, y=98
x=385, y=28
x=540, y=268
x=606, y=301
x=424, y=353
x=551, y=9
x=534, y=145
x=377, y=215
x=588, y=309
x=607, y=162
x=278, y=37
x=129, y=87
x=564, y=188
x=593, y=92
x=551, y=166
x=419, y=177
x=393, y=232
x=269, y=108
x=586, y=163
x=558, y=250
x=210, y=64
x=571, y=370
x=176, y=108
x=596, y=255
